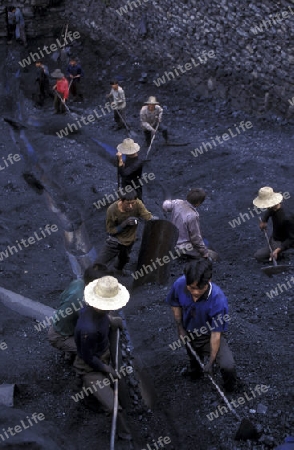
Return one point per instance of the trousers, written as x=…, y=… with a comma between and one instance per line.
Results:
x=112, y=249
x=263, y=253
x=64, y=343
x=224, y=359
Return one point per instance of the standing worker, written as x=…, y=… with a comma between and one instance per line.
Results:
x=43, y=82
x=121, y=225
x=20, y=34
x=130, y=170
x=118, y=104
x=74, y=74
x=200, y=309
x=150, y=117
x=61, y=91
x=11, y=23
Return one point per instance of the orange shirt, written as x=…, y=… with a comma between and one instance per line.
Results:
x=62, y=87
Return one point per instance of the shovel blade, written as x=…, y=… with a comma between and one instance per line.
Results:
x=246, y=431
x=158, y=240
x=272, y=270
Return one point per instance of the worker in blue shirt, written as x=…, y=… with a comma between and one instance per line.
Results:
x=200, y=310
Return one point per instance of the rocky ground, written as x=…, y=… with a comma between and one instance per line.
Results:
x=163, y=401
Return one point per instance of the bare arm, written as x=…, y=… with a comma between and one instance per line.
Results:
x=177, y=311
x=214, y=348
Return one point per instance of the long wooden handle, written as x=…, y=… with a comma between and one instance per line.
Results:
x=149, y=148
x=214, y=383
x=115, y=399
x=269, y=244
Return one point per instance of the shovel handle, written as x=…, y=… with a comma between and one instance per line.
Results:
x=214, y=383
x=115, y=398
x=269, y=244
x=149, y=148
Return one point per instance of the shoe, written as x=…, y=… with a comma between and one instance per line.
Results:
x=122, y=272
x=69, y=357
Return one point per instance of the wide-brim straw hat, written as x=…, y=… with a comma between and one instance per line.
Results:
x=267, y=198
x=57, y=74
x=152, y=101
x=128, y=147
x=106, y=294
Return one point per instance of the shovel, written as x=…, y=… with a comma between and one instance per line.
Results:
x=66, y=107
x=115, y=400
x=131, y=133
x=149, y=148
x=246, y=430
x=275, y=268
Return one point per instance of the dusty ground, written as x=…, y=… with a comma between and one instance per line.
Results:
x=261, y=329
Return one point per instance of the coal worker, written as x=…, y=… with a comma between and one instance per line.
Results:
x=118, y=104
x=200, y=309
x=74, y=74
x=289, y=241
x=11, y=21
x=61, y=91
x=186, y=218
x=131, y=170
x=43, y=81
x=20, y=33
x=271, y=201
x=94, y=331
x=150, y=117
x=121, y=225
x=64, y=319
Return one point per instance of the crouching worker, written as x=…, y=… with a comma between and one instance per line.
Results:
x=61, y=332
x=93, y=336
x=185, y=217
x=200, y=310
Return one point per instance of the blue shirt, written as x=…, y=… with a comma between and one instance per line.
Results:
x=210, y=311
x=75, y=70
x=91, y=336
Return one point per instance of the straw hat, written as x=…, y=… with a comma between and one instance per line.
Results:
x=152, y=101
x=57, y=74
x=267, y=198
x=128, y=147
x=106, y=294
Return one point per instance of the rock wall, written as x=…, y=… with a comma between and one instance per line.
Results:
x=42, y=17
x=253, y=67
x=251, y=43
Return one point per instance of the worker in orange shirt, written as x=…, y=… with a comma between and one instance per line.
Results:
x=61, y=91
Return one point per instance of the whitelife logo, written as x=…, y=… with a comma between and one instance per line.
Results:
x=220, y=410
x=31, y=421
x=33, y=57
x=123, y=371
x=50, y=320
x=31, y=240
x=10, y=160
x=110, y=198
x=221, y=139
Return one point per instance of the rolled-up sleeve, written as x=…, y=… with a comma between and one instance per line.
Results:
x=172, y=297
x=167, y=205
